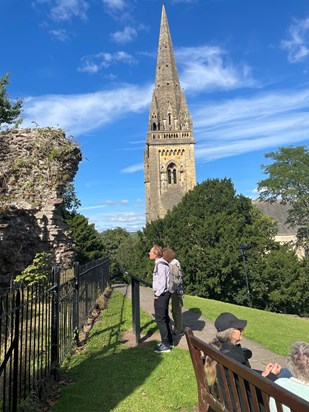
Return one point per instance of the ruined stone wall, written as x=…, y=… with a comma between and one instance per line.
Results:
x=35, y=166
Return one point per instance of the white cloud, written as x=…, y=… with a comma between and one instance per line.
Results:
x=127, y=35
x=115, y=4
x=133, y=168
x=63, y=10
x=114, y=202
x=95, y=63
x=246, y=125
x=60, y=34
x=298, y=44
x=119, y=9
x=207, y=68
x=85, y=112
x=80, y=209
x=131, y=221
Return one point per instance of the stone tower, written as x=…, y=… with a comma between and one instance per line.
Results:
x=169, y=163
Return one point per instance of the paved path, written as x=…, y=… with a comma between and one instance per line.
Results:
x=204, y=329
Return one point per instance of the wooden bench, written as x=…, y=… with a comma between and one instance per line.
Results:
x=241, y=388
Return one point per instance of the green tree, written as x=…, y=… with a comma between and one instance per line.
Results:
x=285, y=284
x=288, y=182
x=112, y=240
x=206, y=230
x=70, y=202
x=87, y=242
x=130, y=258
x=38, y=271
x=9, y=112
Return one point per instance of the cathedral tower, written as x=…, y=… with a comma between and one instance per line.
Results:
x=169, y=163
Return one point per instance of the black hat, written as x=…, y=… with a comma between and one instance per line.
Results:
x=227, y=320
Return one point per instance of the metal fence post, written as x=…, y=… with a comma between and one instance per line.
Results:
x=55, y=323
x=136, y=309
x=76, y=303
x=16, y=354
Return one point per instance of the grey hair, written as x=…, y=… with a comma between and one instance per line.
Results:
x=225, y=335
x=298, y=360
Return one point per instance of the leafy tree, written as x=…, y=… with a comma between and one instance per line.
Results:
x=132, y=259
x=206, y=229
x=9, y=112
x=87, y=242
x=284, y=284
x=288, y=182
x=70, y=201
x=112, y=240
x=38, y=271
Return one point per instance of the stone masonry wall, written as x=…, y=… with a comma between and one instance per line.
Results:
x=35, y=166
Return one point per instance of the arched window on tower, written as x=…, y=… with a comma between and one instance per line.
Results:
x=171, y=174
x=154, y=126
x=169, y=119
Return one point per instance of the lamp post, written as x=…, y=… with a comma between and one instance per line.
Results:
x=242, y=249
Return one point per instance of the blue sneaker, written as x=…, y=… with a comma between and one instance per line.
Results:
x=161, y=348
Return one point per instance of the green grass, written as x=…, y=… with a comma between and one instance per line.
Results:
x=272, y=330
x=110, y=376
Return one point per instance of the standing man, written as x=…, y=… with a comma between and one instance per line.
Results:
x=162, y=296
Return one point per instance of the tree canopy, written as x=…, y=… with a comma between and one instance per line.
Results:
x=288, y=182
x=206, y=230
x=9, y=112
x=87, y=243
x=112, y=240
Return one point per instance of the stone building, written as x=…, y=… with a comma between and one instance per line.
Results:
x=287, y=234
x=169, y=163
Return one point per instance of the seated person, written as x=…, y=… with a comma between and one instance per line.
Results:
x=230, y=333
x=298, y=361
x=228, y=337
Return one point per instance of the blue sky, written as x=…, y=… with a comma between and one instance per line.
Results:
x=88, y=66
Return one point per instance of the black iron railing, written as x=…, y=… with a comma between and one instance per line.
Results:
x=39, y=324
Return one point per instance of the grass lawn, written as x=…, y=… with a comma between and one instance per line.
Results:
x=272, y=330
x=107, y=375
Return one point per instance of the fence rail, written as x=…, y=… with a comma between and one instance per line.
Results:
x=39, y=324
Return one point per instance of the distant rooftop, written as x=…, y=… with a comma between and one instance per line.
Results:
x=279, y=212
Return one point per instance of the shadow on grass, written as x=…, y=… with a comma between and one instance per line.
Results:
x=150, y=328
x=105, y=379
x=191, y=319
x=106, y=372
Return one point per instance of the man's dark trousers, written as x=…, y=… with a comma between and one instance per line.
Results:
x=162, y=318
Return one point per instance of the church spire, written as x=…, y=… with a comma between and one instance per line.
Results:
x=168, y=107
x=169, y=165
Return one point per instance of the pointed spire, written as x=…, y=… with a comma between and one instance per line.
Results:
x=166, y=65
x=168, y=101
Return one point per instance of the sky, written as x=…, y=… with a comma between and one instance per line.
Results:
x=88, y=67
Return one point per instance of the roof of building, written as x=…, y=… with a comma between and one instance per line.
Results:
x=279, y=212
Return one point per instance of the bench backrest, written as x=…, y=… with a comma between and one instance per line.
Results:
x=241, y=389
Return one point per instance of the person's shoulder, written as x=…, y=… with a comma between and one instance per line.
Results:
x=162, y=261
